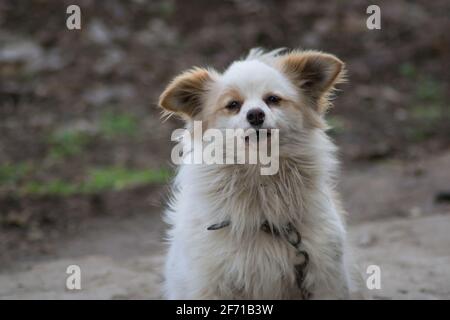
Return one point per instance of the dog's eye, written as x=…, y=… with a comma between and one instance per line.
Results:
x=233, y=105
x=273, y=99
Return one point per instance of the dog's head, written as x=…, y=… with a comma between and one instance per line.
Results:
x=289, y=92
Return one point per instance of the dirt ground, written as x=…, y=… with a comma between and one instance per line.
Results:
x=84, y=157
x=122, y=258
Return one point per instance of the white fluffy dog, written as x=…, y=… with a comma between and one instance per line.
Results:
x=237, y=234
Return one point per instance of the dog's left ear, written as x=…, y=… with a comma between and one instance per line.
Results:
x=185, y=94
x=314, y=73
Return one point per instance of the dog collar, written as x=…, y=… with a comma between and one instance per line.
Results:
x=293, y=237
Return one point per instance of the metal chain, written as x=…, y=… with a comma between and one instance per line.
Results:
x=293, y=237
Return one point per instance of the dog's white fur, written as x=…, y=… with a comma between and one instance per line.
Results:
x=241, y=261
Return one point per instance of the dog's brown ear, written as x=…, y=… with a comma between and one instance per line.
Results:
x=313, y=72
x=185, y=93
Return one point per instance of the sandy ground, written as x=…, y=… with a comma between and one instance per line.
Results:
x=413, y=261
x=122, y=258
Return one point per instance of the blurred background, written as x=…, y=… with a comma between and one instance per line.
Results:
x=85, y=159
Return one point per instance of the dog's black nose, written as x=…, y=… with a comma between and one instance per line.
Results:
x=256, y=117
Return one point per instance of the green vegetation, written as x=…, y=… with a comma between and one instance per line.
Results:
x=97, y=180
x=71, y=142
x=11, y=174
x=118, y=178
x=54, y=188
x=166, y=9
x=337, y=124
x=429, y=90
x=428, y=109
x=408, y=70
x=118, y=124
x=68, y=143
x=428, y=105
x=21, y=179
x=428, y=113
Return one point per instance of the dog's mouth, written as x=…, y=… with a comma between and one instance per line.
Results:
x=259, y=136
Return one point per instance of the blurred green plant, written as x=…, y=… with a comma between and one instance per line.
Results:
x=166, y=9
x=429, y=90
x=337, y=125
x=118, y=178
x=11, y=174
x=98, y=180
x=46, y=188
x=68, y=143
x=71, y=142
x=118, y=124
x=429, y=106
x=418, y=134
x=427, y=110
x=408, y=70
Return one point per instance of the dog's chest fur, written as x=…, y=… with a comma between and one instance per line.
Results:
x=242, y=261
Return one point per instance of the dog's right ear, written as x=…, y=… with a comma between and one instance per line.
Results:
x=185, y=94
x=314, y=73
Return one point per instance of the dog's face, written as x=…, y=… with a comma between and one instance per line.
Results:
x=287, y=92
